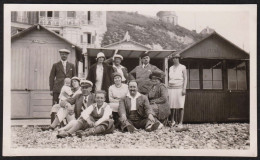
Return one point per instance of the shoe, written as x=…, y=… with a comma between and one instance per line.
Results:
x=180, y=126
x=80, y=133
x=63, y=135
x=47, y=128
x=153, y=127
x=173, y=124
x=130, y=128
x=160, y=126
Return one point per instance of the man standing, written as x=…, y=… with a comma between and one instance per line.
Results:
x=142, y=73
x=117, y=67
x=60, y=70
x=135, y=112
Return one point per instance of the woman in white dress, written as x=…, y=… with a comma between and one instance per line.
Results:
x=177, y=89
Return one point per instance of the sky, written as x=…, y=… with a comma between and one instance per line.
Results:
x=233, y=25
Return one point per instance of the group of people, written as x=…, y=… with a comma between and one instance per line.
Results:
x=111, y=97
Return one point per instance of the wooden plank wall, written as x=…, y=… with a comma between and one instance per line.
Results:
x=41, y=103
x=20, y=68
x=213, y=106
x=20, y=106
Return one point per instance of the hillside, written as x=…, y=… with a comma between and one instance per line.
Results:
x=148, y=31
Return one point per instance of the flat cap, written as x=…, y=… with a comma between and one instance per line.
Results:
x=84, y=82
x=64, y=50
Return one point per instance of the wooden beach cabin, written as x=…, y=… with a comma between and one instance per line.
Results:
x=218, y=81
x=33, y=51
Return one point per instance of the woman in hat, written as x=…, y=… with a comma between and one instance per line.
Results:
x=75, y=88
x=177, y=89
x=116, y=92
x=100, y=74
x=158, y=98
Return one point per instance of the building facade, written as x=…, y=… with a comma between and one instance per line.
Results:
x=168, y=17
x=83, y=28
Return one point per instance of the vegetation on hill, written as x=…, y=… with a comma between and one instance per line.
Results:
x=148, y=31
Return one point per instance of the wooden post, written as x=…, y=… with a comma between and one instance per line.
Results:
x=85, y=52
x=166, y=71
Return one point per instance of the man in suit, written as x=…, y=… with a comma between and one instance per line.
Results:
x=142, y=72
x=81, y=101
x=135, y=112
x=60, y=70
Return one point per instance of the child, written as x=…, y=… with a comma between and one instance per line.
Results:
x=66, y=91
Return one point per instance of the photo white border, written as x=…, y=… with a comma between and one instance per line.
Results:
x=8, y=151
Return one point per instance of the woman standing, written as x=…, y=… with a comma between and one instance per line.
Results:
x=158, y=98
x=177, y=89
x=116, y=92
x=100, y=74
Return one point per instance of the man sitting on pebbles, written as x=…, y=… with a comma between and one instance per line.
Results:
x=94, y=120
x=135, y=112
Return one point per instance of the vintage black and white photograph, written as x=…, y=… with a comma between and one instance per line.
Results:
x=130, y=80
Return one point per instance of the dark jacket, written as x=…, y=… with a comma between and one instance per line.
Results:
x=142, y=106
x=57, y=75
x=159, y=95
x=78, y=101
x=107, y=76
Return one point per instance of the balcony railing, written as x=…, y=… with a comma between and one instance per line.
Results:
x=69, y=21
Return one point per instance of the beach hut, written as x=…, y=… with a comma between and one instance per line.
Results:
x=33, y=51
x=218, y=81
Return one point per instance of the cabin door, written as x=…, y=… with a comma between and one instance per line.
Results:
x=237, y=92
x=30, y=81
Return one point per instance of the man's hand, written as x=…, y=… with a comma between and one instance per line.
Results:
x=183, y=92
x=151, y=118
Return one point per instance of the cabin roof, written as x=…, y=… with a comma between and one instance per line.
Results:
x=245, y=54
x=38, y=26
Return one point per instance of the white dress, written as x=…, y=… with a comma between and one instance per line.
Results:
x=176, y=99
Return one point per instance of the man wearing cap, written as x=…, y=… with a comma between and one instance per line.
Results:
x=100, y=74
x=142, y=73
x=117, y=67
x=60, y=70
x=81, y=101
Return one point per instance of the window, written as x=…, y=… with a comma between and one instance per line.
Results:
x=212, y=74
x=237, y=75
x=193, y=78
x=49, y=13
x=56, y=13
x=86, y=38
x=71, y=14
x=89, y=16
x=42, y=13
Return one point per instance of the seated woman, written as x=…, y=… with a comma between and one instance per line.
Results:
x=96, y=119
x=75, y=83
x=116, y=92
x=67, y=109
x=158, y=98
